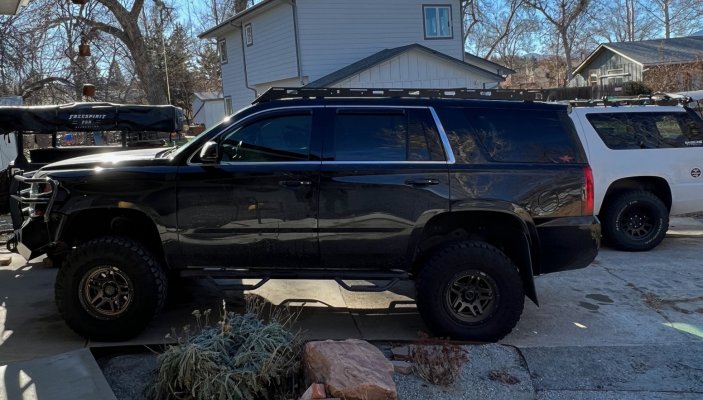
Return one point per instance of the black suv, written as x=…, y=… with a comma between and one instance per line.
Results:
x=469, y=198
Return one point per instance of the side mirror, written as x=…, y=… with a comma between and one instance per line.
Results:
x=209, y=153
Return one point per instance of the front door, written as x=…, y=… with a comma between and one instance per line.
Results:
x=257, y=207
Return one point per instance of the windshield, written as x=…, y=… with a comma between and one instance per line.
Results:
x=190, y=144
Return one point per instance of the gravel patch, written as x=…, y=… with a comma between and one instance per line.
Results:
x=478, y=379
x=129, y=375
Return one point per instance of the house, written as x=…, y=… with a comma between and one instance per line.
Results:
x=649, y=61
x=339, y=43
x=12, y=7
x=208, y=108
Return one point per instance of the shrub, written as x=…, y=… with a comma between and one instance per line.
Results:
x=438, y=361
x=240, y=358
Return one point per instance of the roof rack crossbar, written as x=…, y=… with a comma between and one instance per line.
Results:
x=278, y=93
x=654, y=100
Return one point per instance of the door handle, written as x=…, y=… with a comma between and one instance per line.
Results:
x=422, y=182
x=294, y=184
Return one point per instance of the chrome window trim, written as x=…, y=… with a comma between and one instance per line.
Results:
x=439, y=163
x=443, y=137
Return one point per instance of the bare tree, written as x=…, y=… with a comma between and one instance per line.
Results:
x=563, y=15
x=123, y=23
x=676, y=17
x=503, y=28
x=623, y=21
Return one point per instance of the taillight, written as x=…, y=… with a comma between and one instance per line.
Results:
x=588, y=190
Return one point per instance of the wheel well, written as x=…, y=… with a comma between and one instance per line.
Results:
x=501, y=230
x=90, y=224
x=655, y=185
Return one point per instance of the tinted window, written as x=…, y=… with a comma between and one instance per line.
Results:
x=280, y=138
x=390, y=135
x=511, y=135
x=653, y=130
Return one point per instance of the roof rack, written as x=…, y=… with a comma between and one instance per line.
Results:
x=653, y=100
x=278, y=93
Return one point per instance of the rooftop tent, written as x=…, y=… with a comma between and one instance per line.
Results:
x=89, y=117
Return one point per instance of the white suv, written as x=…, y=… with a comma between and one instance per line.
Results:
x=647, y=163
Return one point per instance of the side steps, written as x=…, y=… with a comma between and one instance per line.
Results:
x=380, y=280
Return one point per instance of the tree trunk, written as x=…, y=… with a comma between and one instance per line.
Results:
x=240, y=5
x=567, y=56
x=667, y=20
x=151, y=80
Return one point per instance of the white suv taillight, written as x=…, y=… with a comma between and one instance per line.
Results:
x=588, y=197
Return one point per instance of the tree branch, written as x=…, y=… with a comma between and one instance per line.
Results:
x=34, y=86
x=109, y=29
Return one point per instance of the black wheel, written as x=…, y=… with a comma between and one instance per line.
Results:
x=635, y=221
x=110, y=288
x=470, y=291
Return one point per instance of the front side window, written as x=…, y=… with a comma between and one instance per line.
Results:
x=384, y=135
x=438, y=21
x=279, y=138
x=656, y=130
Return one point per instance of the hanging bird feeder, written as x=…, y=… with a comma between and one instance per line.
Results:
x=88, y=90
x=84, y=50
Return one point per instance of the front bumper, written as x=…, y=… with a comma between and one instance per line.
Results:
x=568, y=243
x=33, y=237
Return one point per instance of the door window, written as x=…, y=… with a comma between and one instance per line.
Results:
x=384, y=135
x=279, y=138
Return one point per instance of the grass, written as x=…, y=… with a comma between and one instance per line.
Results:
x=244, y=356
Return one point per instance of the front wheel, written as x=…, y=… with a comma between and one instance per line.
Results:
x=470, y=290
x=110, y=288
x=635, y=221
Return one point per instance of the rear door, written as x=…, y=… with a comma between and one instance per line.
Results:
x=384, y=173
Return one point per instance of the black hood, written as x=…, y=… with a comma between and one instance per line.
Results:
x=129, y=157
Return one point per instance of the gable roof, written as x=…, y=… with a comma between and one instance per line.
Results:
x=499, y=69
x=653, y=52
x=387, y=54
x=229, y=22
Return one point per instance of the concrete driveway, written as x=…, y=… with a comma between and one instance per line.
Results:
x=621, y=299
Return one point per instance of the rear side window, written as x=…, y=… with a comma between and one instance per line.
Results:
x=384, y=135
x=511, y=135
x=653, y=130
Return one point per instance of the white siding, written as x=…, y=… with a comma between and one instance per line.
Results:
x=272, y=57
x=418, y=69
x=233, y=83
x=211, y=113
x=336, y=33
x=293, y=82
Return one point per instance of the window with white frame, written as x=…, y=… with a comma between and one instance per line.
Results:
x=222, y=49
x=228, y=106
x=437, y=21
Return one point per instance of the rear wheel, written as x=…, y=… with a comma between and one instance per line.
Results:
x=470, y=291
x=635, y=221
x=110, y=288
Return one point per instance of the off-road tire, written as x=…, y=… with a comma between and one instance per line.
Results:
x=134, y=261
x=441, y=269
x=615, y=229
